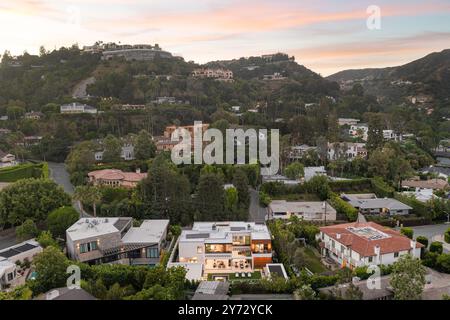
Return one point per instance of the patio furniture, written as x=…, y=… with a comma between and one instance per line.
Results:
x=249, y=274
x=237, y=274
x=243, y=275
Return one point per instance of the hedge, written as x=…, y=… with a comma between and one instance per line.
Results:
x=24, y=171
x=343, y=207
x=381, y=188
x=447, y=236
x=357, y=185
x=419, y=208
x=406, y=221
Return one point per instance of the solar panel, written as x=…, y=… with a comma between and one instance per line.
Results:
x=9, y=253
x=25, y=247
x=197, y=236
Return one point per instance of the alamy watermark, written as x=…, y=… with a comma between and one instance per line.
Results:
x=241, y=147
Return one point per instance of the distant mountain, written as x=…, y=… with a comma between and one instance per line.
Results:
x=428, y=75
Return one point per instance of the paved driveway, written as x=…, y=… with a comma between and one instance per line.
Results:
x=256, y=212
x=59, y=174
x=430, y=231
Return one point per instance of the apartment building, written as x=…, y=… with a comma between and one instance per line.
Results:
x=370, y=204
x=115, y=240
x=308, y=211
x=221, y=248
x=362, y=244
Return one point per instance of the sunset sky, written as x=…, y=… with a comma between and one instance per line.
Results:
x=324, y=35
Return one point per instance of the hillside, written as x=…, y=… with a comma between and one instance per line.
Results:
x=429, y=75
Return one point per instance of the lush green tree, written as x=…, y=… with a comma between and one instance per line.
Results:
x=209, y=199
x=443, y=262
x=408, y=232
x=231, y=199
x=305, y=292
x=407, y=278
x=165, y=193
x=22, y=292
x=144, y=148
x=59, y=220
x=30, y=199
x=295, y=170
x=80, y=160
x=45, y=239
x=320, y=186
x=240, y=182
x=112, y=148
x=90, y=195
x=423, y=240
x=436, y=247
x=50, y=266
x=27, y=230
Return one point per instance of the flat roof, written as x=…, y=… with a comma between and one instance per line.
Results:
x=370, y=201
x=92, y=227
x=222, y=231
x=299, y=206
x=150, y=231
x=18, y=249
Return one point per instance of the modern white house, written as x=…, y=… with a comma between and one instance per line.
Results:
x=9, y=257
x=222, y=248
x=308, y=211
x=346, y=151
x=116, y=240
x=76, y=108
x=363, y=244
x=370, y=204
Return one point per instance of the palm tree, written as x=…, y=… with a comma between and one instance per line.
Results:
x=88, y=194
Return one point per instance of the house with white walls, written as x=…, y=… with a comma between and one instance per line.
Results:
x=222, y=248
x=362, y=244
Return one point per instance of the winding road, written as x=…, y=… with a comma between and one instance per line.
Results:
x=59, y=174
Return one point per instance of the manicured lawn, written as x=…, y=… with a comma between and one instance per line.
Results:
x=313, y=263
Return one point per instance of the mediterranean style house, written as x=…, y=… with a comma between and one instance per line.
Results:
x=116, y=178
x=115, y=240
x=362, y=244
x=221, y=248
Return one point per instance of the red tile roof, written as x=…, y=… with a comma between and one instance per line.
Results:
x=394, y=242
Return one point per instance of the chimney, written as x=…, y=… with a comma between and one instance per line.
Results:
x=377, y=250
x=138, y=170
x=413, y=247
x=338, y=236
